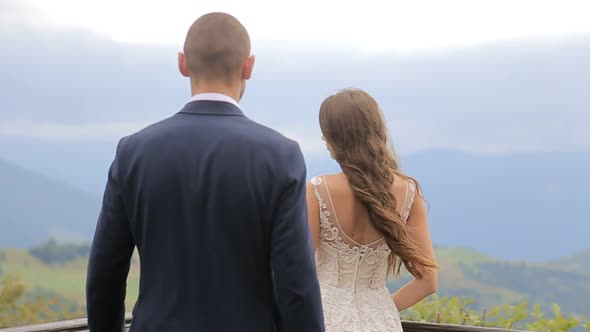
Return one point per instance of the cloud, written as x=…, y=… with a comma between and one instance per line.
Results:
x=18, y=16
x=60, y=132
x=374, y=26
x=312, y=145
x=66, y=85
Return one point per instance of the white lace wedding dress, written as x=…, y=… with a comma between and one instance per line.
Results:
x=352, y=275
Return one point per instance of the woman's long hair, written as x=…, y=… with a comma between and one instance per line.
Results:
x=354, y=128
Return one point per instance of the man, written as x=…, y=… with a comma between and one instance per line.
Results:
x=214, y=203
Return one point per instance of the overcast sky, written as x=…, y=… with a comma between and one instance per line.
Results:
x=368, y=25
x=479, y=76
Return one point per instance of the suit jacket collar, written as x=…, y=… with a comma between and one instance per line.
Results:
x=211, y=107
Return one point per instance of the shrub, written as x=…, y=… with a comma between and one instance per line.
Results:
x=521, y=316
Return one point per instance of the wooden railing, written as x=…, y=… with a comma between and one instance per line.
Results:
x=80, y=325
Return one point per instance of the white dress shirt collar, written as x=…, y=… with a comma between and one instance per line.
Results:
x=214, y=96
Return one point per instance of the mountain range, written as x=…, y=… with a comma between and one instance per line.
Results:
x=525, y=206
x=522, y=207
x=34, y=207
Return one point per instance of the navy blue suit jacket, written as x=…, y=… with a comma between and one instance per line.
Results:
x=215, y=205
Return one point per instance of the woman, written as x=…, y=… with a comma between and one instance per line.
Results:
x=366, y=222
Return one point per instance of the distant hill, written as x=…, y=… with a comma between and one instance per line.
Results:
x=67, y=279
x=464, y=273
x=492, y=281
x=524, y=207
x=578, y=262
x=528, y=206
x=34, y=207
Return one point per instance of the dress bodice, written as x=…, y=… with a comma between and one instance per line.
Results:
x=352, y=275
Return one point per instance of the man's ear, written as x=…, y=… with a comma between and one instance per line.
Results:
x=248, y=67
x=182, y=66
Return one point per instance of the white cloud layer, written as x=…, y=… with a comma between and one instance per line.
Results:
x=371, y=26
x=408, y=138
x=505, y=98
x=64, y=132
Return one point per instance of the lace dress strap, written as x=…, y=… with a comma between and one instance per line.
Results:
x=324, y=201
x=409, y=199
x=317, y=182
x=329, y=231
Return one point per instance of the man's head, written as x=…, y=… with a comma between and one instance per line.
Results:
x=217, y=55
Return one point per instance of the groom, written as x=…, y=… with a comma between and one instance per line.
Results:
x=214, y=203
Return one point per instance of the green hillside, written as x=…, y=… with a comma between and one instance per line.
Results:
x=67, y=279
x=578, y=262
x=464, y=273
x=491, y=281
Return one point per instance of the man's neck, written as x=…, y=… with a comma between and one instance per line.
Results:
x=233, y=92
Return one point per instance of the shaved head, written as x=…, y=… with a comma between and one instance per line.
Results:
x=216, y=47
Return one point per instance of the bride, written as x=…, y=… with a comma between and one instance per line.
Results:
x=366, y=222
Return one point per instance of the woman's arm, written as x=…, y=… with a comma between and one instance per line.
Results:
x=417, y=289
x=313, y=215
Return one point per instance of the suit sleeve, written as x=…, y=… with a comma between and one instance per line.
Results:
x=110, y=258
x=292, y=257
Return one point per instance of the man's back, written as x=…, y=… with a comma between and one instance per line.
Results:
x=215, y=204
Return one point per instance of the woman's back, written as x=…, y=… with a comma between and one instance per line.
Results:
x=352, y=257
x=353, y=216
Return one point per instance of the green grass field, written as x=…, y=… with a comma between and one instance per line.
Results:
x=464, y=273
x=67, y=279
